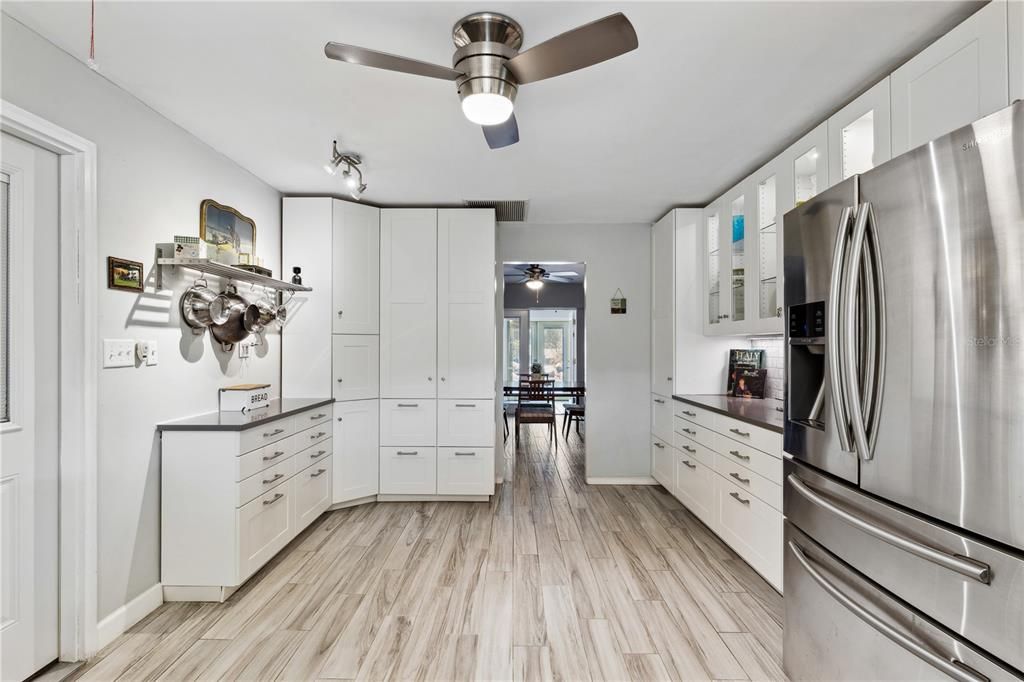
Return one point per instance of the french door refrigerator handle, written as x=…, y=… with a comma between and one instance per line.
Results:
x=834, y=326
x=876, y=329
x=970, y=568
x=851, y=388
x=952, y=667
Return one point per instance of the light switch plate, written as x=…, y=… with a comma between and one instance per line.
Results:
x=118, y=353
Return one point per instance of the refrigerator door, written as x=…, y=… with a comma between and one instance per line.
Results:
x=816, y=237
x=961, y=583
x=840, y=626
x=948, y=218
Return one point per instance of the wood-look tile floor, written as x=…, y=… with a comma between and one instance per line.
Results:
x=553, y=579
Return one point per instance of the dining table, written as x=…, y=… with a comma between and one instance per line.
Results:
x=559, y=391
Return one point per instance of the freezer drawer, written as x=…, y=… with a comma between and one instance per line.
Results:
x=964, y=584
x=840, y=626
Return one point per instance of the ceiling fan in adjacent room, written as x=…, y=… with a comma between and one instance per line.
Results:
x=488, y=67
x=534, y=277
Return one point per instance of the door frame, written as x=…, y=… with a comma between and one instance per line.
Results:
x=78, y=375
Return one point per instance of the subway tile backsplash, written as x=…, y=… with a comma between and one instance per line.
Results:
x=774, y=361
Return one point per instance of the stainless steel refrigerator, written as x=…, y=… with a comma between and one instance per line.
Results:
x=904, y=496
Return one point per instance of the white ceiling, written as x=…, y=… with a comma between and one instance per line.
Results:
x=714, y=89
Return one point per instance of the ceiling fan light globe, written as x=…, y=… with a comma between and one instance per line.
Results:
x=534, y=284
x=486, y=108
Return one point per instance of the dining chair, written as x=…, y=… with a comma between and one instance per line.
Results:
x=572, y=412
x=536, y=405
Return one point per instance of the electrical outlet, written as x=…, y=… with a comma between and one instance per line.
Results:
x=118, y=353
x=244, y=350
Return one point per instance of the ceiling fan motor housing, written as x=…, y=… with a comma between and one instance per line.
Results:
x=485, y=41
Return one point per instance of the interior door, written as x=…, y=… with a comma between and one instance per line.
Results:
x=28, y=420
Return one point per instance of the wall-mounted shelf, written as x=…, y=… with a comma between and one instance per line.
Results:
x=209, y=267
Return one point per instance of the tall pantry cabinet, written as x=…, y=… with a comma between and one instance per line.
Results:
x=330, y=342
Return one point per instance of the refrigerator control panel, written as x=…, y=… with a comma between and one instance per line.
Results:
x=807, y=321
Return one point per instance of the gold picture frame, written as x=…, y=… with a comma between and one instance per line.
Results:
x=228, y=234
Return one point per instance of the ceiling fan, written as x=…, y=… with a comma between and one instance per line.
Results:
x=534, y=276
x=488, y=67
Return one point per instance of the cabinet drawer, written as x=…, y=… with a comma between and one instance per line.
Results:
x=752, y=528
x=409, y=470
x=752, y=458
x=688, y=447
x=695, y=487
x=310, y=437
x=661, y=418
x=316, y=453
x=465, y=471
x=465, y=422
x=693, y=431
x=695, y=414
x=753, y=483
x=754, y=436
x=261, y=482
x=311, y=418
x=267, y=456
x=267, y=433
x=663, y=463
x=408, y=422
x=264, y=527
x=312, y=490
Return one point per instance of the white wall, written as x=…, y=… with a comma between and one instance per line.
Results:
x=618, y=346
x=152, y=175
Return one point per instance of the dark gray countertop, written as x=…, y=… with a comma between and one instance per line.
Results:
x=765, y=413
x=237, y=421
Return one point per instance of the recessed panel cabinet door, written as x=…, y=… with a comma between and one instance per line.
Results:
x=356, y=366
x=465, y=305
x=355, y=458
x=356, y=261
x=662, y=307
x=408, y=321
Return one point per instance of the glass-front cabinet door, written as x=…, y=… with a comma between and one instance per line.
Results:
x=714, y=305
x=768, y=229
x=859, y=134
x=737, y=276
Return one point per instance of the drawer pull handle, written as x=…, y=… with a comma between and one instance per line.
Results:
x=739, y=499
x=465, y=404
x=686, y=462
x=318, y=472
x=744, y=481
x=273, y=433
x=273, y=456
x=659, y=446
x=689, y=414
x=408, y=404
x=659, y=401
x=692, y=451
x=321, y=434
x=274, y=499
x=404, y=454
x=689, y=432
x=319, y=454
x=465, y=454
x=318, y=416
x=268, y=481
x=736, y=453
x=743, y=434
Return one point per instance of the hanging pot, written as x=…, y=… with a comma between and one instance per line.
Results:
x=195, y=307
x=269, y=314
x=240, y=318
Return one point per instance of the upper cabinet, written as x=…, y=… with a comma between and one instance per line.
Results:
x=356, y=245
x=713, y=302
x=859, y=134
x=1015, y=40
x=731, y=270
x=961, y=77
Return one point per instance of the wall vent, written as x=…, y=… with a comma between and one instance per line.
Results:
x=512, y=210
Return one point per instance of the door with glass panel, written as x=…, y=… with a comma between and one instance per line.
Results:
x=552, y=344
x=716, y=306
x=860, y=134
x=513, y=362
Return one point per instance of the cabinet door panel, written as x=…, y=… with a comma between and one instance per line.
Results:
x=356, y=450
x=465, y=471
x=408, y=329
x=662, y=357
x=356, y=272
x=408, y=422
x=465, y=422
x=465, y=312
x=663, y=463
x=356, y=366
x=312, y=489
x=408, y=471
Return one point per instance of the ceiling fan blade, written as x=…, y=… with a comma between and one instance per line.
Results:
x=565, y=273
x=584, y=46
x=521, y=280
x=552, y=278
x=503, y=134
x=382, y=60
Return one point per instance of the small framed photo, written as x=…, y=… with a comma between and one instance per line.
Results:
x=124, y=274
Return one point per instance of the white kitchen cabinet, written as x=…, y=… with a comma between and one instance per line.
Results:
x=715, y=305
x=465, y=422
x=1015, y=41
x=409, y=470
x=695, y=488
x=465, y=471
x=408, y=303
x=663, y=463
x=465, y=303
x=356, y=263
x=356, y=450
x=860, y=134
x=731, y=261
x=765, y=236
x=956, y=80
x=661, y=417
x=408, y=421
x=356, y=366
x=312, y=490
x=663, y=305
x=750, y=526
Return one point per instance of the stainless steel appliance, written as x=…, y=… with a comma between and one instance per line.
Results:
x=904, y=499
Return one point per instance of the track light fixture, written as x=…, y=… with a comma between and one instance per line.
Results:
x=352, y=175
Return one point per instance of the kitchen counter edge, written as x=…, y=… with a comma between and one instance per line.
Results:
x=240, y=421
x=759, y=412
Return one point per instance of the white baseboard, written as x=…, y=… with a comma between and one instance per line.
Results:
x=621, y=480
x=115, y=625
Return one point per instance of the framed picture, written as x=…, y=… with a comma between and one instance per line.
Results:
x=231, y=236
x=124, y=274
